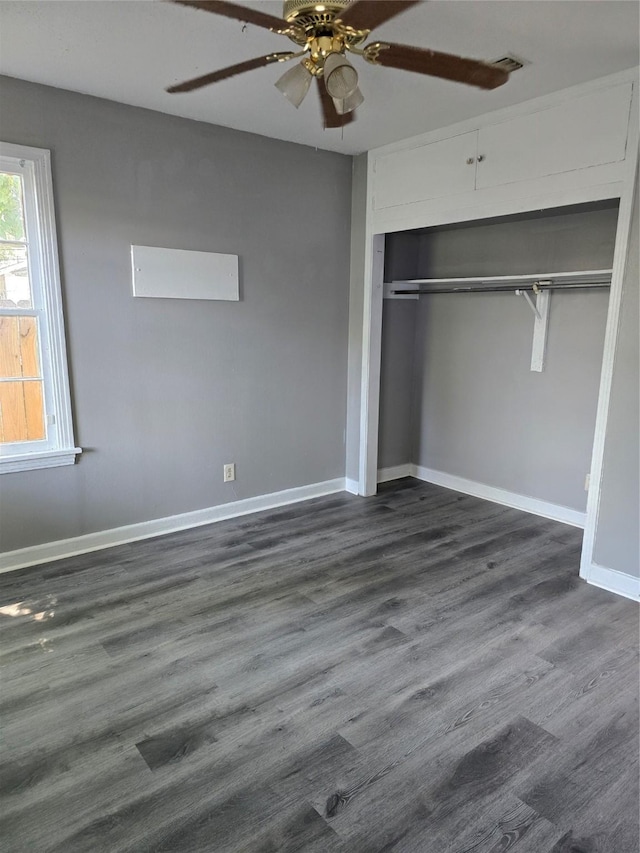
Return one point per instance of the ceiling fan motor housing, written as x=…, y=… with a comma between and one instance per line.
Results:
x=312, y=14
x=313, y=27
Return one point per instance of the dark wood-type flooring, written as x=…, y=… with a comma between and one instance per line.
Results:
x=420, y=671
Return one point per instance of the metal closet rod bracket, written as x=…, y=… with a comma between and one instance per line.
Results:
x=536, y=289
x=541, y=322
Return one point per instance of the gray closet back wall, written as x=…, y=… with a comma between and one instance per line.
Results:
x=457, y=392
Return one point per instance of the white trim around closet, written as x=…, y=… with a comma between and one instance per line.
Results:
x=589, y=569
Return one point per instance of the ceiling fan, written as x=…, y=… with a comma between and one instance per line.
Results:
x=326, y=32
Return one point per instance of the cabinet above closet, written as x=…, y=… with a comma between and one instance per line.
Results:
x=515, y=154
x=589, y=131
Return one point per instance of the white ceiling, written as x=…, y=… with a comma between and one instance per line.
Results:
x=130, y=50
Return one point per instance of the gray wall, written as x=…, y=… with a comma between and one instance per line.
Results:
x=579, y=237
x=478, y=410
x=617, y=535
x=397, y=368
x=395, y=444
x=166, y=391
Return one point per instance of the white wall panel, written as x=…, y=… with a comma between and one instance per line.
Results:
x=180, y=274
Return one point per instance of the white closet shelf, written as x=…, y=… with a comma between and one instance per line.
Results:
x=465, y=284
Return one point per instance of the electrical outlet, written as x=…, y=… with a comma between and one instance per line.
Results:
x=229, y=472
x=587, y=482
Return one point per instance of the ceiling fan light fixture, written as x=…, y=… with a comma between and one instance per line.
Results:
x=340, y=77
x=348, y=105
x=294, y=84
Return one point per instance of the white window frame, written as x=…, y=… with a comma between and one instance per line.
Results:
x=58, y=446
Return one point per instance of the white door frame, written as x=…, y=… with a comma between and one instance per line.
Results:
x=371, y=363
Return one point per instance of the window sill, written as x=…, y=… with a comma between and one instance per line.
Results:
x=42, y=459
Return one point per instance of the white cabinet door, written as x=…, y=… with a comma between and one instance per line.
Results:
x=430, y=171
x=587, y=131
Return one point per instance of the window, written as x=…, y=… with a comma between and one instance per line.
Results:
x=35, y=410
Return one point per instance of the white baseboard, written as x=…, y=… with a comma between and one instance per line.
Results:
x=351, y=486
x=63, y=548
x=397, y=472
x=614, y=581
x=556, y=512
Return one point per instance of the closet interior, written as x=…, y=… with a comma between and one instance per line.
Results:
x=492, y=342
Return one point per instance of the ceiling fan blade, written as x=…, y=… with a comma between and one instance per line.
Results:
x=368, y=14
x=444, y=65
x=238, y=13
x=330, y=116
x=230, y=71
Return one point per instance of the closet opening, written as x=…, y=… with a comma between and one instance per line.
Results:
x=490, y=375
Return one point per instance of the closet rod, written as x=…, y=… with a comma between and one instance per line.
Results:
x=504, y=288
